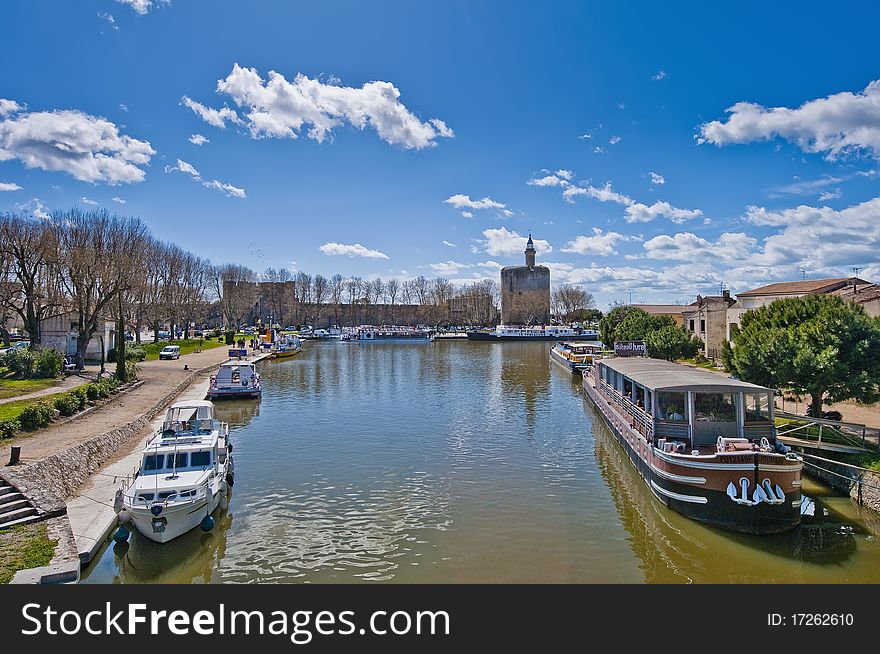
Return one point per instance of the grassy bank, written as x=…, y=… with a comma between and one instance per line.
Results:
x=12, y=410
x=10, y=387
x=23, y=547
x=187, y=346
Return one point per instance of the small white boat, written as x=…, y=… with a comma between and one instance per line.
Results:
x=235, y=379
x=184, y=476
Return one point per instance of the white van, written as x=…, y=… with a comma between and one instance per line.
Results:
x=170, y=352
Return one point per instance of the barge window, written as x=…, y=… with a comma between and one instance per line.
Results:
x=154, y=462
x=714, y=407
x=671, y=406
x=627, y=388
x=180, y=462
x=757, y=407
x=200, y=459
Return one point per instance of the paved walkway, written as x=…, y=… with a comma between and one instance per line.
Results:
x=158, y=377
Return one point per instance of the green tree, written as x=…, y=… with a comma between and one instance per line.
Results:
x=672, y=342
x=609, y=323
x=638, y=324
x=818, y=345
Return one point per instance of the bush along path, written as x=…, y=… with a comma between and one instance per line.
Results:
x=30, y=416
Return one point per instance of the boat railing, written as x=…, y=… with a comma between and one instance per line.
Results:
x=639, y=420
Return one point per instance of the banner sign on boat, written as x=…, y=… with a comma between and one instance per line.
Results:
x=630, y=349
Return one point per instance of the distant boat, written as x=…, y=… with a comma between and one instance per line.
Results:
x=575, y=356
x=235, y=379
x=286, y=346
x=185, y=474
x=532, y=333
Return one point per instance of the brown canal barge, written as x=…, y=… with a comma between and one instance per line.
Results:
x=704, y=444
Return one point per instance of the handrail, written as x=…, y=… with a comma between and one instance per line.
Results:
x=640, y=420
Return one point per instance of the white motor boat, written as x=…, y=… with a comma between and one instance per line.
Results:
x=185, y=474
x=235, y=379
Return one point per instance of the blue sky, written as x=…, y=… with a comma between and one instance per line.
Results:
x=583, y=100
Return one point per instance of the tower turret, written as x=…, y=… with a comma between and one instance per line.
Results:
x=530, y=253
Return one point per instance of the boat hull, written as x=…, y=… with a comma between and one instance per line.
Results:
x=286, y=354
x=576, y=369
x=688, y=488
x=220, y=394
x=178, y=520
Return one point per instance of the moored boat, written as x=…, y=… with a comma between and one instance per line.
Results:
x=704, y=444
x=532, y=333
x=235, y=379
x=284, y=347
x=184, y=476
x=575, y=356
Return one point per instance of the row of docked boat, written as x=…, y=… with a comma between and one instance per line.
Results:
x=187, y=469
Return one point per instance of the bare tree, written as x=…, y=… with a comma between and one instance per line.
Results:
x=237, y=291
x=30, y=285
x=568, y=301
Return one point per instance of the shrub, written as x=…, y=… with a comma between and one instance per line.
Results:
x=92, y=392
x=67, y=404
x=8, y=428
x=132, y=353
x=48, y=363
x=103, y=389
x=20, y=361
x=37, y=415
x=81, y=393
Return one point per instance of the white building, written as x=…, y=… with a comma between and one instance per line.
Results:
x=61, y=332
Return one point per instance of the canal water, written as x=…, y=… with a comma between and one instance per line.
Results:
x=455, y=461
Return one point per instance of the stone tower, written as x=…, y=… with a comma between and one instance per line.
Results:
x=525, y=292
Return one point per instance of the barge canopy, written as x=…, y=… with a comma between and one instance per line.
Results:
x=679, y=402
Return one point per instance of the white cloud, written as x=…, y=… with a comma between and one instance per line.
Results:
x=685, y=246
x=452, y=245
x=805, y=187
x=141, y=7
x=657, y=179
x=189, y=169
x=8, y=107
x=35, y=207
x=123, y=107
x=215, y=117
x=9, y=186
x=89, y=148
x=603, y=244
x=467, y=214
x=86, y=200
x=548, y=180
x=356, y=250
x=838, y=124
x=830, y=195
x=585, y=136
x=449, y=268
x=564, y=174
x=460, y=201
x=103, y=15
x=599, y=149
x=501, y=242
x=119, y=200
x=198, y=139
x=660, y=74
x=614, y=140
x=642, y=213
x=278, y=108
x=604, y=194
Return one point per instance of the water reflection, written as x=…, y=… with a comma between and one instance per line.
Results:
x=459, y=462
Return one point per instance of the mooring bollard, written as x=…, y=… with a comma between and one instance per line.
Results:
x=14, y=455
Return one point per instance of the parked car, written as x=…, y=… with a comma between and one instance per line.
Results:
x=826, y=415
x=170, y=352
x=198, y=333
x=16, y=346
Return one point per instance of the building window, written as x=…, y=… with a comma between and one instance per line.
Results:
x=702, y=326
x=692, y=325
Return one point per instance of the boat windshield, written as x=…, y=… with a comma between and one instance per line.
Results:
x=180, y=461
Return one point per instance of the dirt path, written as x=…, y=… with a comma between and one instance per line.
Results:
x=158, y=377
